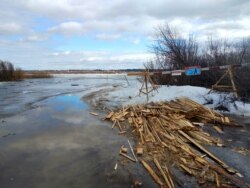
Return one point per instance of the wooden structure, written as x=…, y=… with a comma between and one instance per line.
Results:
x=229, y=88
x=147, y=85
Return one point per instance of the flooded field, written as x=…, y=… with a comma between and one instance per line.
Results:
x=49, y=139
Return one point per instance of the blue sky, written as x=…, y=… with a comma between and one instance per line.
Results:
x=114, y=34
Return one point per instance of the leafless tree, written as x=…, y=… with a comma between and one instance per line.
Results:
x=223, y=52
x=174, y=51
x=3, y=71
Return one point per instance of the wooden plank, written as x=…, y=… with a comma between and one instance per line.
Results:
x=186, y=169
x=139, y=150
x=152, y=173
x=132, y=150
x=128, y=157
x=218, y=129
x=232, y=81
x=208, y=153
x=110, y=115
x=162, y=173
x=94, y=113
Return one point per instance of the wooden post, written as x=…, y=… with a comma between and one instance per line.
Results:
x=146, y=83
x=232, y=87
x=232, y=82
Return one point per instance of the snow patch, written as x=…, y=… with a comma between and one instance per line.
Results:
x=128, y=95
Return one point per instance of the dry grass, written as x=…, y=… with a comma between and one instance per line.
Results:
x=37, y=74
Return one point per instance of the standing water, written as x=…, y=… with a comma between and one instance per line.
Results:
x=49, y=139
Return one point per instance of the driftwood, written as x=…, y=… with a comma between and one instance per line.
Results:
x=172, y=133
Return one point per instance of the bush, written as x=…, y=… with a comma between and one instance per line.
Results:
x=8, y=72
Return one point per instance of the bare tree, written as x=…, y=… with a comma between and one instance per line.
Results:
x=223, y=52
x=243, y=47
x=11, y=71
x=174, y=51
x=149, y=65
x=4, y=71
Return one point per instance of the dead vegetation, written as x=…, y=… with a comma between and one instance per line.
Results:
x=171, y=133
x=37, y=74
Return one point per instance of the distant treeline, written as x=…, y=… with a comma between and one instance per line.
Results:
x=9, y=73
x=82, y=71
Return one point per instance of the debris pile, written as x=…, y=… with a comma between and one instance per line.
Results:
x=172, y=133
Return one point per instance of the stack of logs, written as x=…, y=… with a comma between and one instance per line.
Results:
x=172, y=133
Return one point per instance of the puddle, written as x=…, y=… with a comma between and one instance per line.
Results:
x=62, y=103
x=59, y=144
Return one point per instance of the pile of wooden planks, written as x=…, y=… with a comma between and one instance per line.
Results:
x=172, y=133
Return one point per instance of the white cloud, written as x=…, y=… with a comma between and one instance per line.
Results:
x=68, y=28
x=35, y=37
x=105, y=36
x=77, y=16
x=128, y=21
x=44, y=58
x=99, y=59
x=136, y=41
x=10, y=28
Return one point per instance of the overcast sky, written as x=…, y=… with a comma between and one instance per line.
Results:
x=107, y=34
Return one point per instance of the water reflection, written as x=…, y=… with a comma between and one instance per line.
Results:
x=66, y=108
x=65, y=102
